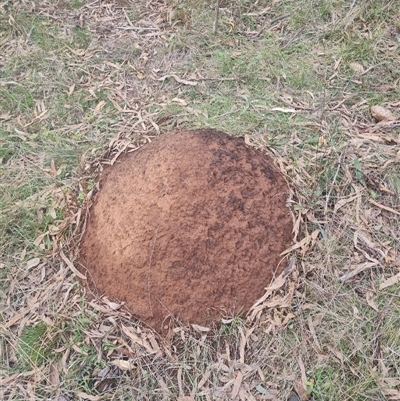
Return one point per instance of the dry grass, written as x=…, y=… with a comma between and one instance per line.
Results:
x=81, y=81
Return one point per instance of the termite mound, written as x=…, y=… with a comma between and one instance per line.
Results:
x=191, y=225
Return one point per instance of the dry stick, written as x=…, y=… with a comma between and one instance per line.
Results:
x=389, y=209
x=216, y=18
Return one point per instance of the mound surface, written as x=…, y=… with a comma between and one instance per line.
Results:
x=190, y=225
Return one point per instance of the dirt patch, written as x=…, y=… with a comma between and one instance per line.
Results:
x=190, y=225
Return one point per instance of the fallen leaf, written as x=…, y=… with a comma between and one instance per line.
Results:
x=177, y=79
x=123, y=365
x=200, y=328
x=301, y=387
x=78, y=350
x=99, y=106
x=113, y=305
x=136, y=339
x=8, y=379
x=16, y=318
x=382, y=114
x=357, y=67
x=303, y=243
x=32, y=263
x=392, y=393
x=204, y=379
x=341, y=202
x=357, y=269
x=370, y=301
x=390, y=281
x=301, y=390
x=113, y=65
x=89, y=397
x=71, y=266
x=78, y=52
x=5, y=116
x=178, y=100
x=283, y=110
x=54, y=375
x=236, y=385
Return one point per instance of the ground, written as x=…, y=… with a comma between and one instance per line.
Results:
x=81, y=82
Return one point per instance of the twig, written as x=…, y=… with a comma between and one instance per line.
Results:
x=216, y=18
x=293, y=38
x=138, y=28
x=389, y=209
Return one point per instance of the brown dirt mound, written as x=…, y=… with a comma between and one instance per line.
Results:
x=190, y=225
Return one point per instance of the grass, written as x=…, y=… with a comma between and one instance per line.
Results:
x=34, y=347
x=298, y=78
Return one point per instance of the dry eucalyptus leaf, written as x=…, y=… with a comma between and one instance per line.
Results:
x=390, y=281
x=32, y=263
x=54, y=375
x=124, y=365
x=85, y=396
x=200, y=328
x=358, y=68
x=382, y=114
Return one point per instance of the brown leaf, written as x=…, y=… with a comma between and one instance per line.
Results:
x=382, y=114
x=284, y=110
x=304, y=243
x=390, y=281
x=301, y=390
x=8, y=379
x=356, y=67
x=356, y=269
x=71, y=266
x=370, y=301
x=177, y=79
x=54, y=375
x=303, y=395
x=16, y=318
x=204, y=379
x=53, y=168
x=99, y=106
x=341, y=202
x=89, y=397
x=124, y=365
x=200, y=329
x=32, y=263
x=236, y=385
x=141, y=341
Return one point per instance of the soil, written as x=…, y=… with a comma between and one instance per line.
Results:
x=190, y=225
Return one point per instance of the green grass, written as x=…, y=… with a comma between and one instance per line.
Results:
x=282, y=73
x=34, y=346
